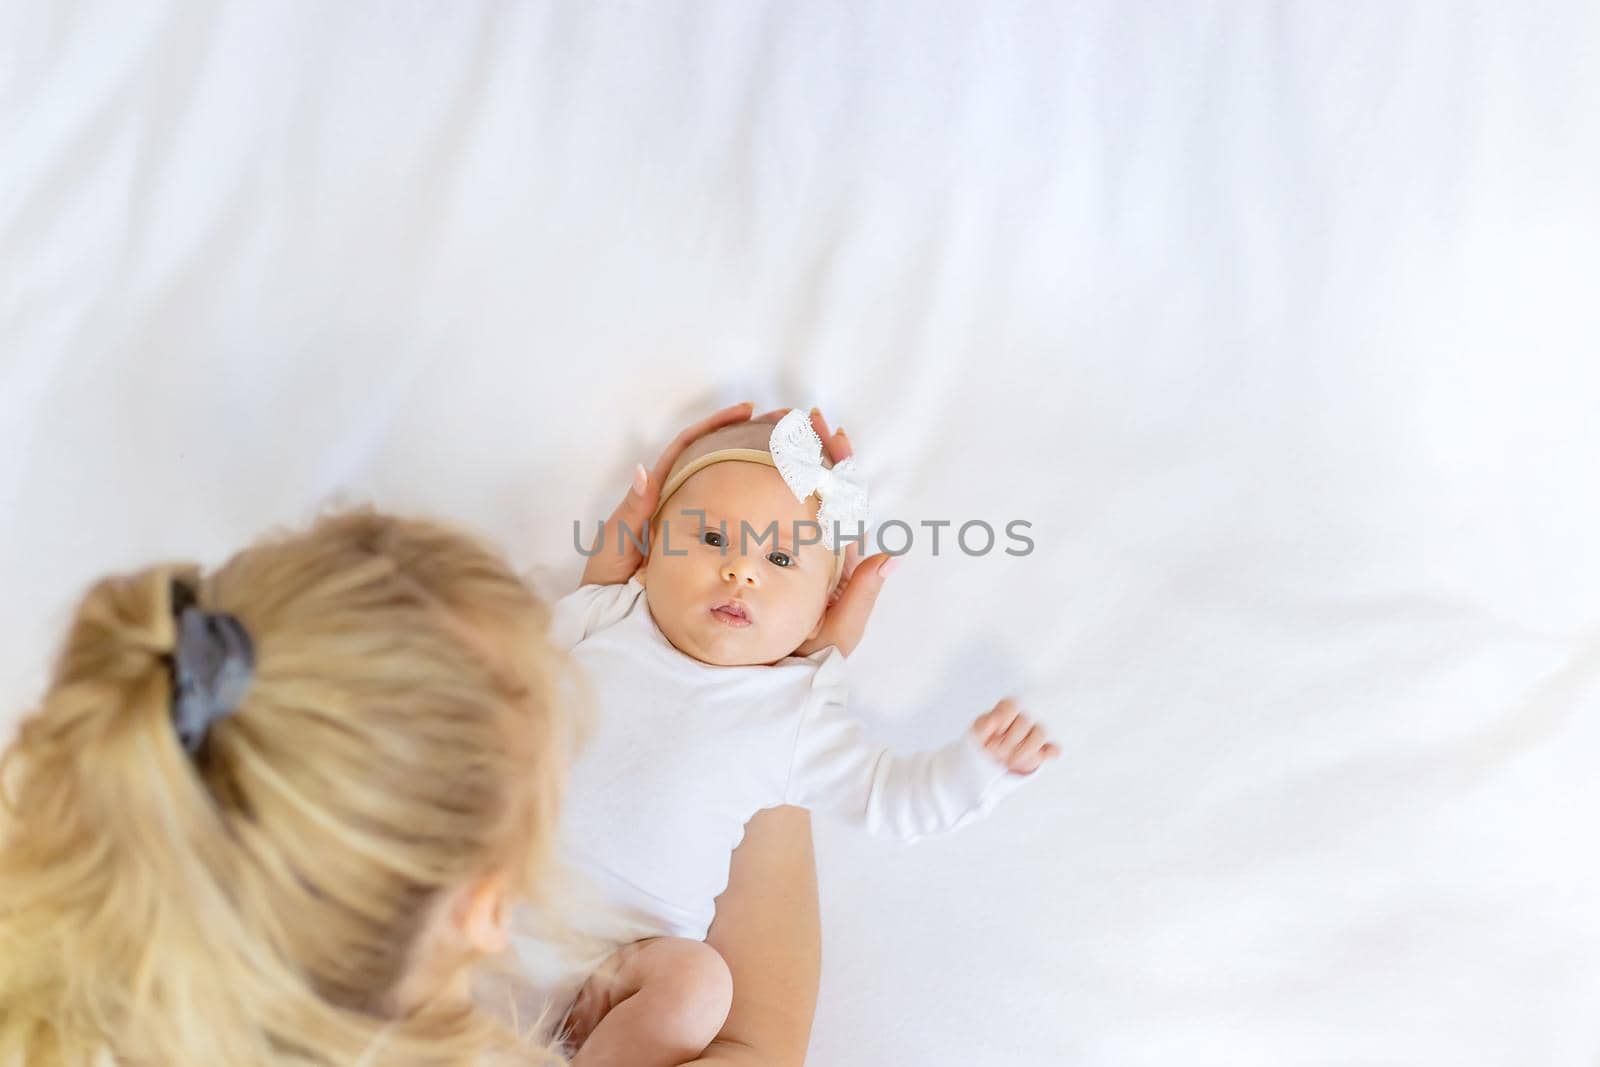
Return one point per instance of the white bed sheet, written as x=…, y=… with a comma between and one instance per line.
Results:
x=1277, y=322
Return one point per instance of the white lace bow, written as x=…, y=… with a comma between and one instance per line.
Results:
x=797, y=453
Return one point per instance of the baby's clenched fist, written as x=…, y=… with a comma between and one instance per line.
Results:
x=1013, y=739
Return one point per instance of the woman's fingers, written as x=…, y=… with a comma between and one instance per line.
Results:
x=638, y=501
x=820, y=424
x=617, y=556
x=834, y=443
x=838, y=448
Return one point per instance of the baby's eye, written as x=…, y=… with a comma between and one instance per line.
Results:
x=712, y=538
x=781, y=559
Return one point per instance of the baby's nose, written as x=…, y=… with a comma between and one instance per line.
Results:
x=740, y=569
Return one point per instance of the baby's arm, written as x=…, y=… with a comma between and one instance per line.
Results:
x=907, y=796
x=587, y=609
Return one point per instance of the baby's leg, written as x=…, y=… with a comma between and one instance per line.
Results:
x=654, y=1002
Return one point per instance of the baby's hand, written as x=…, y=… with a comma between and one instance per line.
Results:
x=1013, y=739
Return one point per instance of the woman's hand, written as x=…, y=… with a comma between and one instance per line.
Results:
x=851, y=605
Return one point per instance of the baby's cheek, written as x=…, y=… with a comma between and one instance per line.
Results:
x=805, y=617
x=819, y=605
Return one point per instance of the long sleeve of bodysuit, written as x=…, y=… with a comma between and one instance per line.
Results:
x=589, y=608
x=900, y=795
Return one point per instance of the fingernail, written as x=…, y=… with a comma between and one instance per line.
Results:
x=641, y=478
x=887, y=567
x=838, y=431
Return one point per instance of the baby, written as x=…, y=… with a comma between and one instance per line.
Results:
x=706, y=716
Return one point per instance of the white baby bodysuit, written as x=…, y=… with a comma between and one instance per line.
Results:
x=683, y=753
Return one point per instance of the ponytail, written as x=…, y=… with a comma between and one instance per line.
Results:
x=252, y=903
x=115, y=860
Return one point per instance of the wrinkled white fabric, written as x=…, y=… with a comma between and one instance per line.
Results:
x=1277, y=322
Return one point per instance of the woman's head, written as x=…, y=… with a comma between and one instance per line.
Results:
x=338, y=848
x=733, y=533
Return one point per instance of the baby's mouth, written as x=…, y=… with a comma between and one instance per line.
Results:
x=733, y=613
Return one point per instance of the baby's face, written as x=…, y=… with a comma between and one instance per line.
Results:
x=732, y=600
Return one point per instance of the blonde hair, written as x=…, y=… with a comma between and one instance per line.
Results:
x=404, y=734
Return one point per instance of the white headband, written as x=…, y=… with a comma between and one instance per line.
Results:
x=796, y=451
